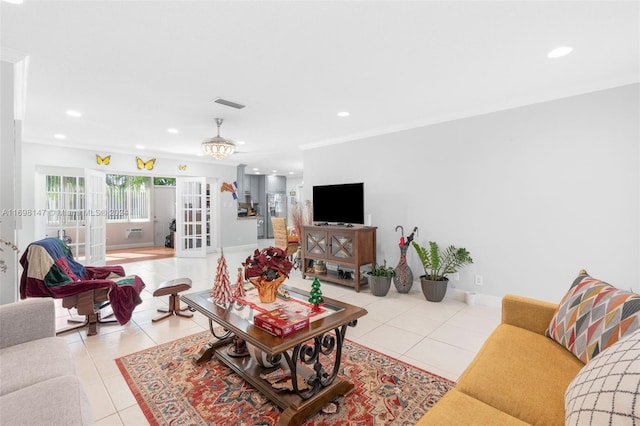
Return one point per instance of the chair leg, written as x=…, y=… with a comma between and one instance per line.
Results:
x=174, y=309
x=177, y=309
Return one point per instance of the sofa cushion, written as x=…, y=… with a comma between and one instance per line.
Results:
x=592, y=316
x=456, y=408
x=32, y=362
x=607, y=389
x=58, y=401
x=521, y=373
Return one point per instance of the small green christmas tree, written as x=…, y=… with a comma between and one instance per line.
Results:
x=315, y=296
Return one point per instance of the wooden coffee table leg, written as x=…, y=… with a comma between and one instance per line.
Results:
x=294, y=416
x=206, y=352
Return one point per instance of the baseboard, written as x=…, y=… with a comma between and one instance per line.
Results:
x=480, y=298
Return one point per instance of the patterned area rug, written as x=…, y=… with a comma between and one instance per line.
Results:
x=172, y=390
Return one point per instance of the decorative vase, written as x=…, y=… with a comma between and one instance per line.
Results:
x=434, y=291
x=261, y=358
x=403, y=279
x=267, y=290
x=379, y=285
x=320, y=268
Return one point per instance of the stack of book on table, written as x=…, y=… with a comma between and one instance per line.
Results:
x=284, y=320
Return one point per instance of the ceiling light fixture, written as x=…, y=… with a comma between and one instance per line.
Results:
x=559, y=52
x=218, y=147
x=73, y=113
x=140, y=146
x=343, y=114
x=172, y=131
x=228, y=103
x=59, y=136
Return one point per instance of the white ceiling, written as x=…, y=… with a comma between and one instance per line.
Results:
x=136, y=68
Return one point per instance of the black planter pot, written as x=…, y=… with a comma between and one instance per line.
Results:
x=379, y=285
x=434, y=291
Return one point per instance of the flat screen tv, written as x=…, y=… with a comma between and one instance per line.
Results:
x=340, y=204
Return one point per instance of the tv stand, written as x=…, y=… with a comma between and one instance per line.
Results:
x=350, y=247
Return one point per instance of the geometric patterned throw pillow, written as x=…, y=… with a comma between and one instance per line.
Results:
x=607, y=390
x=592, y=316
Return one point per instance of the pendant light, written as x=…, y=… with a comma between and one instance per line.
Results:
x=218, y=147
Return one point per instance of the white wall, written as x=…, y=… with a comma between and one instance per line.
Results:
x=534, y=193
x=9, y=151
x=37, y=156
x=117, y=235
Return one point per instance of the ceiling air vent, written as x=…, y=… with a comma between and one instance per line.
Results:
x=228, y=103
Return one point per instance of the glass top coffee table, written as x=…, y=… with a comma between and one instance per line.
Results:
x=313, y=353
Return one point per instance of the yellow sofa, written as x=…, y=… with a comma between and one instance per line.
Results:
x=519, y=376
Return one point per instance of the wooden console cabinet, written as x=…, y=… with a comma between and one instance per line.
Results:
x=350, y=247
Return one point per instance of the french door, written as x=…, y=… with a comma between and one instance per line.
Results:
x=191, y=217
x=96, y=217
x=73, y=205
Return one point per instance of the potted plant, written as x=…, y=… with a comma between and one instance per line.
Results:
x=437, y=264
x=380, y=278
x=266, y=269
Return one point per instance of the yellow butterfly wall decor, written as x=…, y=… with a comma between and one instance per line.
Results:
x=103, y=161
x=145, y=164
x=182, y=167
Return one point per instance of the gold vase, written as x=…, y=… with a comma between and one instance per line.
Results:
x=267, y=290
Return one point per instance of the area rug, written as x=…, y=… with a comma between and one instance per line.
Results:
x=170, y=389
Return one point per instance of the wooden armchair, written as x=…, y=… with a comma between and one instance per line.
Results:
x=282, y=239
x=49, y=270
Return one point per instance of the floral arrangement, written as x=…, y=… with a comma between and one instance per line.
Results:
x=269, y=263
x=3, y=265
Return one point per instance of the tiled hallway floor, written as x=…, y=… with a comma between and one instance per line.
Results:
x=439, y=337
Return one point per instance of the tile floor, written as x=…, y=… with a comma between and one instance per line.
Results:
x=438, y=337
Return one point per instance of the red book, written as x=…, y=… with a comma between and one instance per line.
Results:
x=282, y=321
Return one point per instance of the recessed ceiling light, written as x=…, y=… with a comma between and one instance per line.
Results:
x=73, y=113
x=291, y=173
x=559, y=52
x=240, y=142
x=59, y=136
x=200, y=154
x=257, y=173
x=140, y=146
x=274, y=171
x=172, y=131
x=343, y=114
x=255, y=169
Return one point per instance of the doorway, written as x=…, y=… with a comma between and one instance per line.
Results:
x=164, y=211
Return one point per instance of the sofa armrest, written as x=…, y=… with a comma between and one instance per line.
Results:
x=530, y=314
x=25, y=321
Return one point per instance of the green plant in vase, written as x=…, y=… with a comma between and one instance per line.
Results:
x=437, y=265
x=380, y=278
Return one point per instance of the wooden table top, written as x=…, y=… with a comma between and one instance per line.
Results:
x=238, y=319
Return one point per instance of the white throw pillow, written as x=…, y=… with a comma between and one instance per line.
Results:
x=607, y=389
